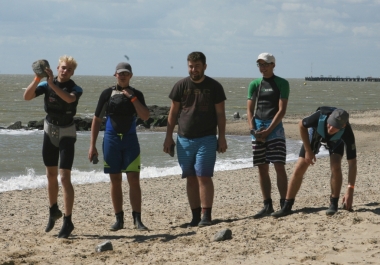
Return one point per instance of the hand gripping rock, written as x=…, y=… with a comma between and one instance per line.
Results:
x=39, y=67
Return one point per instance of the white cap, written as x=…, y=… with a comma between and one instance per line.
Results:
x=267, y=57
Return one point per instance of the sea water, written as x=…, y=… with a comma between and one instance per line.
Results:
x=21, y=165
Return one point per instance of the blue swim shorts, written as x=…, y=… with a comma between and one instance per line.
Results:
x=121, y=153
x=197, y=156
x=277, y=133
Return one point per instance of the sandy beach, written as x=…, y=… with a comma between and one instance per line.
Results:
x=306, y=237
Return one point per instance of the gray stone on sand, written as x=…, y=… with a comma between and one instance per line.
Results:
x=39, y=67
x=223, y=235
x=104, y=246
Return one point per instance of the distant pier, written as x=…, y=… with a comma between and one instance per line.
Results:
x=346, y=79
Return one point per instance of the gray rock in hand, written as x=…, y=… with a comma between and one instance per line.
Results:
x=39, y=67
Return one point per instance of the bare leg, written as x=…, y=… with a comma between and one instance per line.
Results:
x=265, y=183
x=282, y=179
x=52, y=186
x=293, y=188
x=206, y=191
x=135, y=199
x=54, y=212
x=192, y=188
x=296, y=179
x=336, y=175
x=68, y=190
x=116, y=192
x=134, y=190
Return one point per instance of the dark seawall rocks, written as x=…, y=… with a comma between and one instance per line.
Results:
x=158, y=118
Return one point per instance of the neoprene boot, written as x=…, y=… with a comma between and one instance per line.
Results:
x=67, y=227
x=333, y=208
x=206, y=217
x=137, y=222
x=282, y=202
x=267, y=209
x=119, y=224
x=196, y=217
x=54, y=215
x=285, y=210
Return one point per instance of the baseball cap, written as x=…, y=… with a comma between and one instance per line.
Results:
x=267, y=57
x=123, y=67
x=338, y=118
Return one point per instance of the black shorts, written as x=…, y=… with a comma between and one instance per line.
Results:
x=65, y=151
x=334, y=148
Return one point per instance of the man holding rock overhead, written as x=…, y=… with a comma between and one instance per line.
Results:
x=61, y=96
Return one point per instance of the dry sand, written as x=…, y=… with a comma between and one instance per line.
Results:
x=306, y=237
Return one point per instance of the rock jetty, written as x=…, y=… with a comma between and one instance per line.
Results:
x=158, y=118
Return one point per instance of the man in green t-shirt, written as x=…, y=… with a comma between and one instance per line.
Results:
x=266, y=106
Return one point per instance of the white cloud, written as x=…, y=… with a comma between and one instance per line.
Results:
x=363, y=31
x=325, y=27
x=274, y=28
x=163, y=32
x=291, y=6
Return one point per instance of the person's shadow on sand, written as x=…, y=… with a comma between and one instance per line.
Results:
x=371, y=204
x=142, y=238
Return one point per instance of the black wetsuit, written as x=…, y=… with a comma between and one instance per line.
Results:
x=59, y=113
x=334, y=146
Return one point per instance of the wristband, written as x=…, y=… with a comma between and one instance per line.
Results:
x=350, y=186
x=133, y=99
x=38, y=79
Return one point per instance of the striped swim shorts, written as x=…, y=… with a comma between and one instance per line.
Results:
x=273, y=150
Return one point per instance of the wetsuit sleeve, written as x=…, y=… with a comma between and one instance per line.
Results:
x=253, y=86
x=77, y=91
x=140, y=97
x=349, y=140
x=311, y=121
x=41, y=88
x=283, y=86
x=102, y=103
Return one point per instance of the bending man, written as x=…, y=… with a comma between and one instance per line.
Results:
x=328, y=126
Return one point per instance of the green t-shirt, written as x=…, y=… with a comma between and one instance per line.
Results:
x=268, y=92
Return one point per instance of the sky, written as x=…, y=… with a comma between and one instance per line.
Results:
x=307, y=38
